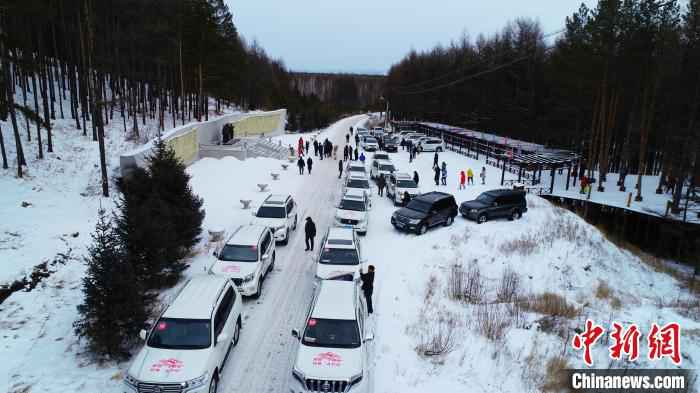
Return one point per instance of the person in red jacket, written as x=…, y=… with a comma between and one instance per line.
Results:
x=462, y=180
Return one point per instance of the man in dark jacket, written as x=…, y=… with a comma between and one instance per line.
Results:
x=340, y=169
x=368, y=287
x=316, y=148
x=381, y=183
x=357, y=150
x=300, y=164
x=435, y=159
x=437, y=175
x=415, y=177
x=357, y=140
x=309, y=164
x=307, y=148
x=310, y=232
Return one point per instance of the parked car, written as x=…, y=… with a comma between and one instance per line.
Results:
x=399, y=183
x=426, y=211
x=431, y=144
x=247, y=258
x=362, y=133
x=380, y=156
x=381, y=167
x=492, y=204
x=332, y=353
x=369, y=143
x=414, y=138
x=279, y=213
x=187, y=347
x=339, y=253
x=355, y=168
x=391, y=144
x=358, y=182
x=353, y=210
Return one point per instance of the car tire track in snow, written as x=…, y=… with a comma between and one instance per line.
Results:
x=263, y=359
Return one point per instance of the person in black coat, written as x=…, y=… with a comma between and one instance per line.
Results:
x=381, y=183
x=310, y=232
x=406, y=198
x=437, y=175
x=316, y=148
x=435, y=159
x=357, y=151
x=307, y=148
x=300, y=164
x=340, y=169
x=309, y=164
x=368, y=286
x=415, y=177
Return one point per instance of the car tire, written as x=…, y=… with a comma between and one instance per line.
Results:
x=422, y=229
x=258, y=292
x=481, y=218
x=449, y=221
x=518, y=214
x=214, y=384
x=237, y=332
x=286, y=238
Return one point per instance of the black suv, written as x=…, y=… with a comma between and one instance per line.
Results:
x=425, y=211
x=495, y=204
x=391, y=144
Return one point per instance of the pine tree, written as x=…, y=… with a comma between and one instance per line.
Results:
x=112, y=312
x=170, y=180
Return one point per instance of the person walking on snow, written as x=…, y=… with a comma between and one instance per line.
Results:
x=444, y=173
x=300, y=164
x=437, y=175
x=362, y=157
x=310, y=232
x=291, y=151
x=435, y=159
x=357, y=149
x=415, y=177
x=470, y=176
x=340, y=169
x=381, y=183
x=368, y=287
x=482, y=175
x=307, y=148
x=309, y=164
x=345, y=153
x=347, y=138
x=315, y=148
x=406, y=198
x=335, y=152
x=300, y=147
x=462, y=179
x=357, y=140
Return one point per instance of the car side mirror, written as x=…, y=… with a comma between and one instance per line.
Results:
x=368, y=337
x=223, y=337
x=295, y=334
x=143, y=333
x=215, y=254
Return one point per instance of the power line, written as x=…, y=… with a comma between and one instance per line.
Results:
x=470, y=66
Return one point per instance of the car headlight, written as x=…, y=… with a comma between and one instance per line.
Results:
x=131, y=381
x=473, y=210
x=414, y=221
x=249, y=277
x=195, y=383
x=355, y=379
x=298, y=375
x=279, y=228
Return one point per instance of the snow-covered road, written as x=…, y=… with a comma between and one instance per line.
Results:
x=262, y=361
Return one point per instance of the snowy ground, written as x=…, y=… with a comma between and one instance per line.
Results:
x=567, y=256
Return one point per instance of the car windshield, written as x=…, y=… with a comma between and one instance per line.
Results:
x=418, y=205
x=331, y=333
x=381, y=156
x=370, y=140
x=406, y=184
x=485, y=198
x=355, y=183
x=339, y=256
x=175, y=333
x=237, y=253
x=351, y=204
x=271, y=212
x=386, y=167
x=357, y=169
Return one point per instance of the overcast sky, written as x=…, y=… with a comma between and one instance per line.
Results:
x=371, y=35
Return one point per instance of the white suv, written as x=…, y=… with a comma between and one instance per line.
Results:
x=247, y=257
x=340, y=254
x=369, y=143
x=353, y=211
x=358, y=182
x=431, y=144
x=187, y=347
x=355, y=168
x=333, y=354
x=399, y=183
x=279, y=213
x=381, y=167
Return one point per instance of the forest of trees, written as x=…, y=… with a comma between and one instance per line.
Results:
x=129, y=60
x=620, y=84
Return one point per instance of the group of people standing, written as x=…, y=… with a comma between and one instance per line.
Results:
x=321, y=150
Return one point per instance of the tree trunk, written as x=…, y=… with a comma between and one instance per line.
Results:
x=2, y=149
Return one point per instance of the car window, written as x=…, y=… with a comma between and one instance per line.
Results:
x=407, y=184
x=355, y=183
x=339, y=256
x=352, y=204
x=223, y=312
x=290, y=206
x=266, y=242
x=418, y=205
x=271, y=212
x=178, y=333
x=232, y=252
x=485, y=198
x=387, y=167
x=331, y=333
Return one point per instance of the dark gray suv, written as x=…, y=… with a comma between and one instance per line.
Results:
x=492, y=204
x=425, y=211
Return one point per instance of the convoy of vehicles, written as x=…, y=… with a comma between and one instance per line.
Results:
x=195, y=334
x=189, y=344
